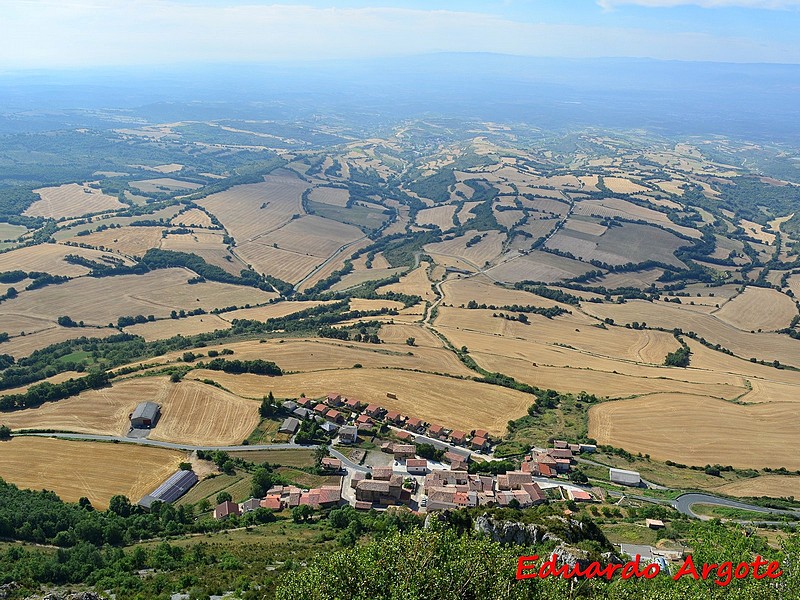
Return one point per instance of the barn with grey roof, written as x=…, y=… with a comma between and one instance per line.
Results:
x=145, y=415
x=173, y=488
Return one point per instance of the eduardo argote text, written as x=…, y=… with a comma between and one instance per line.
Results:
x=722, y=573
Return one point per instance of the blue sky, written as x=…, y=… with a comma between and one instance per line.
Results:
x=87, y=33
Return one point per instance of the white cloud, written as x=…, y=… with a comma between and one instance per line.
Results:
x=49, y=34
x=757, y=4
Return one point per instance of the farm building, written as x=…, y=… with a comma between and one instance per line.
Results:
x=145, y=415
x=624, y=477
x=172, y=489
x=289, y=425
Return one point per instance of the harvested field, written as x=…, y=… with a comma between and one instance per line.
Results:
x=330, y=195
x=538, y=266
x=312, y=235
x=163, y=184
x=629, y=243
x=398, y=333
x=481, y=253
x=71, y=200
x=454, y=403
x=324, y=355
x=441, y=216
x=128, y=240
x=272, y=311
x=49, y=258
x=465, y=214
x=613, y=342
x=247, y=211
x=614, y=207
x=377, y=304
x=620, y=185
x=773, y=486
x=484, y=291
x=167, y=328
x=360, y=276
x=696, y=430
x=758, y=308
x=57, y=378
x=756, y=231
x=194, y=217
x=191, y=412
x=415, y=282
x=283, y=264
x=588, y=227
x=101, y=300
x=208, y=245
x=61, y=466
x=635, y=279
x=765, y=346
x=22, y=346
x=199, y=414
x=508, y=218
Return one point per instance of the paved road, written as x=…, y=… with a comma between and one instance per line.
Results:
x=685, y=502
x=349, y=464
x=170, y=445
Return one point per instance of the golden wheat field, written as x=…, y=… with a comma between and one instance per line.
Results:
x=415, y=282
x=621, y=185
x=376, y=304
x=758, y=308
x=284, y=264
x=128, y=240
x=247, y=211
x=199, y=414
x=22, y=346
x=272, y=311
x=487, y=249
x=71, y=200
x=441, y=216
x=57, y=378
x=774, y=486
x=194, y=217
x=318, y=354
x=208, y=245
x=188, y=326
x=49, y=258
x=483, y=290
x=697, y=430
x=398, y=333
x=329, y=195
x=191, y=412
x=63, y=467
x=764, y=346
x=102, y=300
x=452, y=403
x=312, y=235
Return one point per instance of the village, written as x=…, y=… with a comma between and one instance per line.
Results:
x=422, y=466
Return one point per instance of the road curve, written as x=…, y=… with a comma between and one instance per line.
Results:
x=684, y=504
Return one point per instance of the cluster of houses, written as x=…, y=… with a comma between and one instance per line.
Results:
x=551, y=462
x=281, y=497
x=336, y=410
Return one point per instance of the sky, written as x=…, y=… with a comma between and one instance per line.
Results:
x=68, y=34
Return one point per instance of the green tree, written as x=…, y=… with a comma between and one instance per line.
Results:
x=120, y=505
x=302, y=513
x=5, y=432
x=224, y=497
